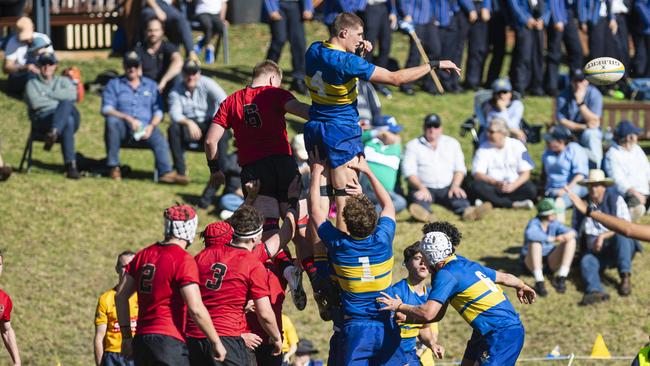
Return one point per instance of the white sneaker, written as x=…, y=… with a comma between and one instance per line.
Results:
x=225, y=214
x=524, y=205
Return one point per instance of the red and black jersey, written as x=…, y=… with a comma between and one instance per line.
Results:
x=6, y=305
x=160, y=271
x=256, y=116
x=229, y=277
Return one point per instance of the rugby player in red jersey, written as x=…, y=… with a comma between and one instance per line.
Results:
x=166, y=279
x=7, y=332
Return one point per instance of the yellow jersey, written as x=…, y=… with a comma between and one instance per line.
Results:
x=289, y=334
x=106, y=313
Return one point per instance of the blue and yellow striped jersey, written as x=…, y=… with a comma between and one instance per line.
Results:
x=409, y=332
x=331, y=76
x=471, y=290
x=363, y=267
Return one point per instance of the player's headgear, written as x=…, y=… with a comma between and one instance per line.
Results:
x=436, y=247
x=217, y=233
x=181, y=222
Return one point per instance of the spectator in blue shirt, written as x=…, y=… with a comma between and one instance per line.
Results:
x=579, y=108
x=641, y=36
x=549, y=246
x=133, y=110
x=565, y=164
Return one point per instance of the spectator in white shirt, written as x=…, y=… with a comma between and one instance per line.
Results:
x=434, y=166
x=628, y=165
x=211, y=14
x=501, y=170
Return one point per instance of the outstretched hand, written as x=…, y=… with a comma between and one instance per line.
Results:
x=578, y=203
x=449, y=66
x=391, y=303
x=526, y=295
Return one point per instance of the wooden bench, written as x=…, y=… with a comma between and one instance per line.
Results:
x=636, y=112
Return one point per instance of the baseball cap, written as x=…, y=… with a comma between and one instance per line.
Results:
x=558, y=132
x=432, y=120
x=131, y=58
x=436, y=247
x=625, y=128
x=390, y=123
x=546, y=207
x=501, y=85
x=191, y=67
x=25, y=29
x=577, y=75
x=298, y=146
x=306, y=347
x=46, y=59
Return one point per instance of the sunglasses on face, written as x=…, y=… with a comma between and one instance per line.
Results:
x=432, y=125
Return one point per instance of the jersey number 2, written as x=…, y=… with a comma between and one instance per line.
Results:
x=218, y=271
x=148, y=272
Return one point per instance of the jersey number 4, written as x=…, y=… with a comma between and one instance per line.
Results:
x=218, y=272
x=148, y=272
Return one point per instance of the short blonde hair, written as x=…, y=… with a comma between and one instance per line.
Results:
x=499, y=124
x=266, y=67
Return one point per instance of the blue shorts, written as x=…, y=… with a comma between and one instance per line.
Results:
x=412, y=358
x=372, y=343
x=115, y=359
x=338, y=142
x=497, y=348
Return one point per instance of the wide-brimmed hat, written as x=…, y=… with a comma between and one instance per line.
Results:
x=596, y=176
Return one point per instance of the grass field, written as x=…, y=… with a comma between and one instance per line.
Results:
x=60, y=237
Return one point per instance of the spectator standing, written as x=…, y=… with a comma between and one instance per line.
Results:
x=527, y=67
x=599, y=22
x=549, y=246
x=18, y=64
x=434, y=166
x=604, y=248
x=177, y=25
x=160, y=59
x=166, y=279
x=564, y=164
x=620, y=10
x=50, y=99
x=628, y=165
x=192, y=104
x=286, y=19
x=7, y=332
x=501, y=168
x=478, y=43
x=453, y=37
x=211, y=15
x=579, y=108
x=641, y=37
x=108, y=337
x=380, y=17
x=504, y=106
x=290, y=340
x=132, y=107
x=497, y=39
x=562, y=28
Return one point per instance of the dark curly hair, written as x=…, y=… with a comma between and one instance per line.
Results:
x=360, y=216
x=445, y=227
x=411, y=251
x=245, y=219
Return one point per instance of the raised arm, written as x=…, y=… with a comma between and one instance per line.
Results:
x=317, y=214
x=386, y=203
x=403, y=76
x=298, y=108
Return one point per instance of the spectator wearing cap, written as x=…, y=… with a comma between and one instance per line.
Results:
x=604, y=248
x=161, y=61
x=434, y=166
x=20, y=64
x=304, y=352
x=549, y=246
x=176, y=23
x=132, y=107
x=579, y=108
x=501, y=168
x=564, y=164
x=50, y=100
x=383, y=150
x=192, y=104
x=628, y=165
x=502, y=105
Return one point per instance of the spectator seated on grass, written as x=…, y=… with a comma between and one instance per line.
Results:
x=159, y=58
x=383, y=150
x=565, y=163
x=434, y=166
x=502, y=105
x=501, y=169
x=51, y=100
x=579, y=108
x=604, y=248
x=192, y=104
x=290, y=339
x=19, y=63
x=549, y=247
x=628, y=165
x=133, y=110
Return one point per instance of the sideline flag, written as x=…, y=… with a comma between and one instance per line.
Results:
x=600, y=348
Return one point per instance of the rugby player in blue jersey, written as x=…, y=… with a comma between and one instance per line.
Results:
x=472, y=290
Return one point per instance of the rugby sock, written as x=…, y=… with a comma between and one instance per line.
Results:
x=539, y=275
x=563, y=271
x=308, y=265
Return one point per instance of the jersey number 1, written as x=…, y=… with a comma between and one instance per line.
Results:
x=218, y=272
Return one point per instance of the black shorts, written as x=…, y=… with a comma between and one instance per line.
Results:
x=159, y=350
x=236, y=352
x=275, y=174
x=264, y=356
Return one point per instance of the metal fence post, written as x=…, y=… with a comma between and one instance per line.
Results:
x=42, y=16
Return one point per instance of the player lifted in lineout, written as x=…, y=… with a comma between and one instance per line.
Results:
x=333, y=69
x=472, y=290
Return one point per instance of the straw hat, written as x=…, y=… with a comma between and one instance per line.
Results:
x=597, y=176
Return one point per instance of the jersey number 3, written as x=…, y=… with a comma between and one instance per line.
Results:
x=148, y=272
x=218, y=272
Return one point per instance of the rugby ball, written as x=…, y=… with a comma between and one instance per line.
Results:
x=604, y=70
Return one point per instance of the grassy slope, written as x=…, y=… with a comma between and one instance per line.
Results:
x=60, y=237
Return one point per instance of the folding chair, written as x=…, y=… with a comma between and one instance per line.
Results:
x=29, y=147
